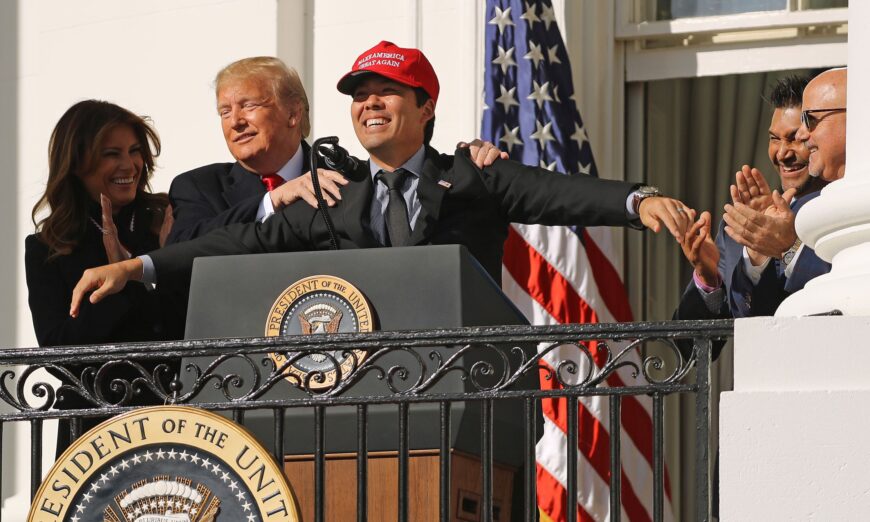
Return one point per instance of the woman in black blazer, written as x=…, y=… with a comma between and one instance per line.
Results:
x=99, y=209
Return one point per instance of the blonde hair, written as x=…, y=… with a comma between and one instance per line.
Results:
x=285, y=81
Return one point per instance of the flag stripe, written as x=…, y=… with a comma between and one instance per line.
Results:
x=559, y=274
x=561, y=300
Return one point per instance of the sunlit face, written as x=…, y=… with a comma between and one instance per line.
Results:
x=261, y=133
x=118, y=168
x=827, y=140
x=788, y=154
x=387, y=120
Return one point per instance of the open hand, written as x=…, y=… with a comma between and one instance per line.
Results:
x=768, y=233
x=166, y=226
x=701, y=252
x=751, y=189
x=115, y=251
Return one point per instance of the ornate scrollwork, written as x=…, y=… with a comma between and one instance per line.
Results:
x=404, y=370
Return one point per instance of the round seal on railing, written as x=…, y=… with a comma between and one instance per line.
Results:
x=317, y=305
x=165, y=464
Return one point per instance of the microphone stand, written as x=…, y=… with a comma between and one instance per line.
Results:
x=318, y=193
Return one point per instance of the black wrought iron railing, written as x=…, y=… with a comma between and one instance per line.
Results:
x=496, y=369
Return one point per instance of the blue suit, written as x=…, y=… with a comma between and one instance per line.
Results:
x=742, y=298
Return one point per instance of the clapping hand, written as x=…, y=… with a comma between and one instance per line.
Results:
x=115, y=251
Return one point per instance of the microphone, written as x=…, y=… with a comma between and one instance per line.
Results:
x=337, y=158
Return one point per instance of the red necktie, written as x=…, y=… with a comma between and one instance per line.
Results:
x=271, y=181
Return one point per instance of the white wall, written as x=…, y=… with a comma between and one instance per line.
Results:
x=156, y=58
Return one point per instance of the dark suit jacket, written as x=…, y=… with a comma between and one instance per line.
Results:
x=215, y=196
x=468, y=207
x=134, y=314
x=748, y=300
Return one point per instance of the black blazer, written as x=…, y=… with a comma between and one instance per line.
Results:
x=460, y=205
x=134, y=314
x=215, y=196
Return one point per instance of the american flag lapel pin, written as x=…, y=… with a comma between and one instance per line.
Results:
x=445, y=184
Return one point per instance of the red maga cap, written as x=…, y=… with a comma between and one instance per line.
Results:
x=406, y=66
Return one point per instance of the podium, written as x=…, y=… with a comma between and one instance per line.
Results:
x=409, y=288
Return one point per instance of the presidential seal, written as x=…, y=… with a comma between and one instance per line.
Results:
x=317, y=305
x=165, y=464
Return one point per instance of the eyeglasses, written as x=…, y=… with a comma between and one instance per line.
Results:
x=811, y=121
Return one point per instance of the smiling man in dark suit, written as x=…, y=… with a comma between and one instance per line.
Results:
x=410, y=194
x=265, y=119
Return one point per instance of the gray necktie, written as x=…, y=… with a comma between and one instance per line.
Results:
x=398, y=227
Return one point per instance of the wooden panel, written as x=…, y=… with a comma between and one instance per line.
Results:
x=423, y=489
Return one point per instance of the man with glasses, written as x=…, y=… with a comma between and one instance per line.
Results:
x=726, y=263
x=779, y=260
x=824, y=124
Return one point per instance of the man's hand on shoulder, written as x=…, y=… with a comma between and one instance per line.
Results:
x=104, y=281
x=482, y=153
x=672, y=213
x=303, y=188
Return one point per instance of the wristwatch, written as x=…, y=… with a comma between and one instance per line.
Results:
x=788, y=255
x=641, y=193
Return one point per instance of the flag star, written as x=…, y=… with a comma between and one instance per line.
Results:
x=183, y=455
x=502, y=18
x=153, y=504
x=104, y=478
x=540, y=94
x=147, y=456
x=233, y=485
x=172, y=453
x=124, y=464
x=75, y=518
x=161, y=502
x=215, y=469
x=246, y=506
x=542, y=133
x=240, y=495
x=511, y=137
x=80, y=508
x=508, y=97
x=529, y=14
x=160, y=453
x=194, y=458
x=556, y=94
x=130, y=516
x=251, y=518
x=547, y=16
x=225, y=477
x=551, y=166
x=505, y=58
x=114, y=471
x=205, y=463
x=535, y=54
x=552, y=54
x=95, y=486
x=87, y=497
x=579, y=134
x=584, y=169
x=137, y=459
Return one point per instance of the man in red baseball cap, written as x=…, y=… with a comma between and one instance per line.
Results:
x=410, y=194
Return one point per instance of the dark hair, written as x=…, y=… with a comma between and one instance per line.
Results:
x=788, y=91
x=423, y=97
x=73, y=150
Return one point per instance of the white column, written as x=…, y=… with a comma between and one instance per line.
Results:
x=837, y=223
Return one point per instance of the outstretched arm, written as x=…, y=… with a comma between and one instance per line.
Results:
x=104, y=280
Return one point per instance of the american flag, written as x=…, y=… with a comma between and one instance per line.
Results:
x=560, y=274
